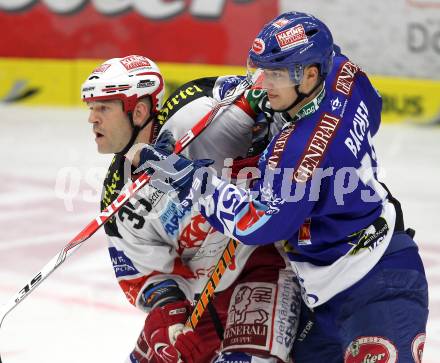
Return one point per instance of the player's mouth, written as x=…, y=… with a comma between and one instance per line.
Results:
x=98, y=135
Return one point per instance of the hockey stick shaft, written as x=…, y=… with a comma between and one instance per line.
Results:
x=105, y=215
x=207, y=294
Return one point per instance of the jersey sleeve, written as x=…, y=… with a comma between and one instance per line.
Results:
x=279, y=202
x=257, y=216
x=140, y=256
x=140, y=262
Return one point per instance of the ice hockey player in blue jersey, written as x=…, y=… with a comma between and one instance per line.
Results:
x=365, y=295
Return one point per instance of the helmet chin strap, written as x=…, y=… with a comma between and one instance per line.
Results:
x=301, y=96
x=135, y=132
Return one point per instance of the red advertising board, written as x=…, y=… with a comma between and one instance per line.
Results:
x=194, y=31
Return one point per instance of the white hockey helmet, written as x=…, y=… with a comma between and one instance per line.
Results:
x=127, y=79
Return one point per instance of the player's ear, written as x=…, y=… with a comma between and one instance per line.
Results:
x=141, y=111
x=311, y=73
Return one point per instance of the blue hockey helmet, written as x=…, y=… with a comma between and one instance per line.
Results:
x=294, y=41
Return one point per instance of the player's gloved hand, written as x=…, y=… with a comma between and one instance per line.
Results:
x=142, y=353
x=166, y=142
x=169, y=171
x=167, y=335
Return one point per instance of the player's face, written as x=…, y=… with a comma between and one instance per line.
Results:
x=110, y=125
x=280, y=88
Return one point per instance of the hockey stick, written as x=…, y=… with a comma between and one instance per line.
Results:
x=107, y=213
x=208, y=290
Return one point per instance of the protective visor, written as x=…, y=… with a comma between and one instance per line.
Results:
x=269, y=78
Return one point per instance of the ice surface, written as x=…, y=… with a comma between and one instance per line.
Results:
x=79, y=314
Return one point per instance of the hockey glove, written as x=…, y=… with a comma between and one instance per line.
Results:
x=142, y=353
x=171, y=172
x=167, y=335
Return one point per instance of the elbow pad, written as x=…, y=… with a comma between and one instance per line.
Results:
x=161, y=293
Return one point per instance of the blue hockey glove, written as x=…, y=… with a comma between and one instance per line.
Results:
x=170, y=172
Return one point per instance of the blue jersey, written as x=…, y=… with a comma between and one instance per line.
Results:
x=318, y=189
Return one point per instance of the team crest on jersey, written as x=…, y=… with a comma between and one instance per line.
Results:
x=258, y=46
x=371, y=349
x=135, y=61
x=292, y=37
x=417, y=347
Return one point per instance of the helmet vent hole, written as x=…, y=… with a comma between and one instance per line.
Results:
x=312, y=32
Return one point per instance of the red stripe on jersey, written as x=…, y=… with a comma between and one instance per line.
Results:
x=243, y=104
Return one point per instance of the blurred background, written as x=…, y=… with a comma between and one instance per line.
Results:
x=51, y=174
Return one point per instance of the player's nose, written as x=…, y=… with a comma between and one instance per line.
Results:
x=93, y=117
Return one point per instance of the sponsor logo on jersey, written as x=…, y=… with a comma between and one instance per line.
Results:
x=359, y=129
x=102, y=68
x=291, y=37
x=155, y=197
x=280, y=23
x=371, y=237
x=258, y=46
x=194, y=233
x=178, y=99
x=316, y=148
x=344, y=79
x=250, y=316
x=287, y=309
x=279, y=146
x=122, y=265
x=135, y=61
x=417, y=347
x=173, y=215
x=371, y=349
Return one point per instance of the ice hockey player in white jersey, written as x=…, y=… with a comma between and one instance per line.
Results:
x=163, y=252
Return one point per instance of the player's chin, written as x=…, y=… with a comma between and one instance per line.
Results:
x=276, y=105
x=104, y=148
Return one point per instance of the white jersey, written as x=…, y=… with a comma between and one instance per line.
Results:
x=151, y=238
